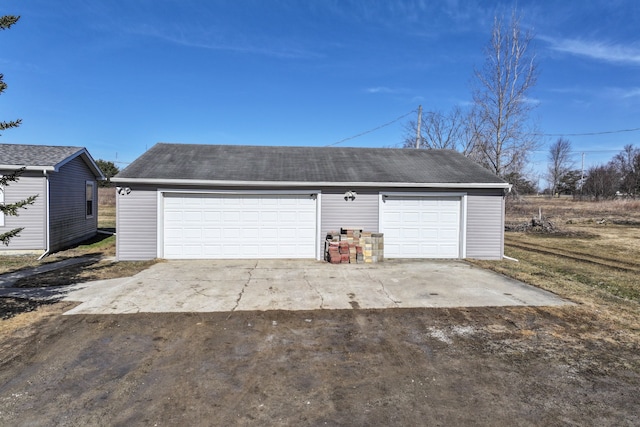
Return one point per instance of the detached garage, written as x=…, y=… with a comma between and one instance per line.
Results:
x=180, y=201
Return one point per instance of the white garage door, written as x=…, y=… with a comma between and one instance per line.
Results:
x=421, y=227
x=210, y=226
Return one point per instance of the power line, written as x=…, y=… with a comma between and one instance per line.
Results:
x=606, y=132
x=371, y=130
x=614, y=150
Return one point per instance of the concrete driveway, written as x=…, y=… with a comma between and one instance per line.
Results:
x=243, y=285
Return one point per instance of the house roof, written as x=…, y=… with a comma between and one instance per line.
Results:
x=43, y=157
x=268, y=165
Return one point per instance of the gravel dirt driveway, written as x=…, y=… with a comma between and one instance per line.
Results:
x=427, y=366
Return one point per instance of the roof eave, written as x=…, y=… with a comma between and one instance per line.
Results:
x=28, y=168
x=86, y=157
x=203, y=183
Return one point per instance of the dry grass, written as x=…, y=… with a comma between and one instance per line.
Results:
x=99, y=267
x=107, y=217
x=107, y=208
x=85, y=272
x=566, y=209
x=28, y=319
x=101, y=244
x=594, y=263
x=106, y=196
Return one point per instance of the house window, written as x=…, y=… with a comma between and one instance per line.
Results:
x=1, y=203
x=89, y=198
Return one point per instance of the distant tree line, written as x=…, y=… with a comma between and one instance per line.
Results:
x=620, y=177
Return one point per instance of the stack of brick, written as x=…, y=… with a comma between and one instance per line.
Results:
x=352, y=245
x=377, y=247
x=332, y=253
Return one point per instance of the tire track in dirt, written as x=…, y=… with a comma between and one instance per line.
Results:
x=576, y=256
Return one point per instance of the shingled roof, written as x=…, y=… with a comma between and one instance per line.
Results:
x=202, y=164
x=43, y=157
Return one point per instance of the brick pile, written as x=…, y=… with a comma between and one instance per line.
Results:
x=354, y=246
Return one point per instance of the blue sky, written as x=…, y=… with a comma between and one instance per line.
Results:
x=118, y=76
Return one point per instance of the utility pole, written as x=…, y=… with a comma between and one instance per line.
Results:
x=419, y=130
x=582, y=177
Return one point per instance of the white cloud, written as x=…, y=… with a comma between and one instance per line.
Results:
x=630, y=93
x=380, y=89
x=533, y=101
x=206, y=39
x=600, y=50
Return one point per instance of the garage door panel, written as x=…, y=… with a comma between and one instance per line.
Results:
x=249, y=233
x=250, y=202
x=421, y=226
x=192, y=202
x=288, y=216
x=427, y=217
x=307, y=217
x=252, y=216
x=173, y=216
x=268, y=233
x=449, y=217
x=173, y=232
x=251, y=251
x=410, y=249
x=231, y=215
x=429, y=251
x=448, y=234
x=192, y=233
x=306, y=234
x=239, y=226
x=211, y=234
x=428, y=234
x=231, y=233
x=411, y=217
x=212, y=215
x=190, y=216
x=409, y=233
x=212, y=251
x=269, y=216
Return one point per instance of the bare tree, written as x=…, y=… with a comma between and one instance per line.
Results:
x=627, y=163
x=504, y=136
x=559, y=163
x=602, y=182
x=439, y=131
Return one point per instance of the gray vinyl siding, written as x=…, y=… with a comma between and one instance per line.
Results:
x=485, y=226
x=136, y=224
x=33, y=218
x=137, y=218
x=337, y=213
x=69, y=223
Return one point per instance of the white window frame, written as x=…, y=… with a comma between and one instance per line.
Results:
x=1, y=202
x=88, y=184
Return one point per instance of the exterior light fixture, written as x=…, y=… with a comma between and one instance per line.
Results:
x=123, y=190
x=350, y=195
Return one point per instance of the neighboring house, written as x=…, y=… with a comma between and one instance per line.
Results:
x=66, y=209
x=181, y=201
